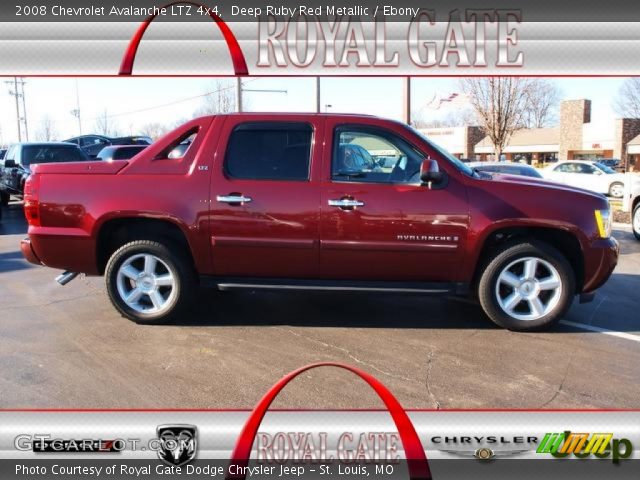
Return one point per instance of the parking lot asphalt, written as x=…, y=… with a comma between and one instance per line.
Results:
x=66, y=347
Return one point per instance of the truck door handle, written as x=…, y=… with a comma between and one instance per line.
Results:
x=346, y=203
x=233, y=198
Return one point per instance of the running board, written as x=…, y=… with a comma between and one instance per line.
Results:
x=336, y=286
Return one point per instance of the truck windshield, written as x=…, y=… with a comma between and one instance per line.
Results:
x=459, y=164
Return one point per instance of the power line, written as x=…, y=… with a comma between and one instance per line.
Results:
x=175, y=102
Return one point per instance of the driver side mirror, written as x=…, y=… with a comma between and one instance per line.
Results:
x=10, y=164
x=430, y=172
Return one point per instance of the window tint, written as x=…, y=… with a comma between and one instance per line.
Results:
x=269, y=151
x=361, y=154
x=32, y=154
x=180, y=150
x=126, y=153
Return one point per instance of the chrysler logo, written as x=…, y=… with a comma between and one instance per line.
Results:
x=178, y=444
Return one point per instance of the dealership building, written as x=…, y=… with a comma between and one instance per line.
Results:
x=574, y=138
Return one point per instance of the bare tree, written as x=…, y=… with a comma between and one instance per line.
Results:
x=47, y=130
x=543, y=99
x=220, y=100
x=501, y=105
x=627, y=101
x=154, y=130
x=105, y=126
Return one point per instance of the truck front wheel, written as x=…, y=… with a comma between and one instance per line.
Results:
x=527, y=285
x=148, y=282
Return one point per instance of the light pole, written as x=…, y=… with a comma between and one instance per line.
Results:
x=327, y=106
x=240, y=90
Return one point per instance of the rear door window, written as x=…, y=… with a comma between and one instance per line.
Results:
x=269, y=151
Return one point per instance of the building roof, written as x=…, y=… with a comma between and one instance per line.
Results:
x=635, y=141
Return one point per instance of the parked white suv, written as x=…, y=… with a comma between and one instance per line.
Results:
x=631, y=202
x=589, y=175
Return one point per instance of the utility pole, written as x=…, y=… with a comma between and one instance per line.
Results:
x=318, y=94
x=24, y=110
x=76, y=111
x=406, y=100
x=15, y=93
x=239, y=94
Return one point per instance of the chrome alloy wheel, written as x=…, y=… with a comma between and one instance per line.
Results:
x=528, y=288
x=146, y=284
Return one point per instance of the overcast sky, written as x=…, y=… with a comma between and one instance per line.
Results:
x=133, y=102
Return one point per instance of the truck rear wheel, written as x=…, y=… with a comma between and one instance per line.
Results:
x=148, y=283
x=526, y=286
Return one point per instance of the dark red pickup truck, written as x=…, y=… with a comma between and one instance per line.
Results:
x=330, y=202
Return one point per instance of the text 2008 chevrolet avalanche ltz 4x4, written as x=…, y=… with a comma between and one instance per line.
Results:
x=303, y=201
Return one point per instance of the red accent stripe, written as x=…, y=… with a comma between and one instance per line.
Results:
x=237, y=57
x=416, y=457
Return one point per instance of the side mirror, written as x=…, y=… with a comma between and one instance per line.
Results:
x=430, y=172
x=10, y=164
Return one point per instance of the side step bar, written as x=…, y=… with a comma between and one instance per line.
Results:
x=335, y=286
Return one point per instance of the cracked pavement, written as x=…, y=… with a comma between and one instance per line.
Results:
x=66, y=347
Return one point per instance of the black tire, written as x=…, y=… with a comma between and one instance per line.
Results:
x=615, y=185
x=507, y=255
x=4, y=198
x=635, y=221
x=178, y=296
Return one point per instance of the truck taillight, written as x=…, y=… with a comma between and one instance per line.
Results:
x=31, y=200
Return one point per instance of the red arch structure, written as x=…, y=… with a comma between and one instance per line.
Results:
x=237, y=57
x=416, y=458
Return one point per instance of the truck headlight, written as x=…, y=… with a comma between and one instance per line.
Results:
x=603, y=221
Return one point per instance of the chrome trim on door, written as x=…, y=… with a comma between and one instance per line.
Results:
x=346, y=202
x=233, y=199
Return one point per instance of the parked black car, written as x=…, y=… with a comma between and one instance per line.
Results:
x=2, y=152
x=119, y=152
x=16, y=165
x=93, y=144
x=508, y=168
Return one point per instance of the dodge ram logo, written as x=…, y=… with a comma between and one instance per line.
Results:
x=178, y=444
